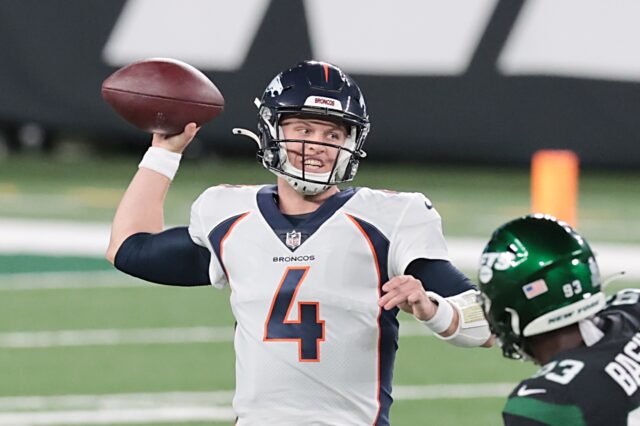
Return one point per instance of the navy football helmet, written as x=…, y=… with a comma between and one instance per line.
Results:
x=311, y=89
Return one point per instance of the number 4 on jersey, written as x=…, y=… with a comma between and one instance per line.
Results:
x=307, y=330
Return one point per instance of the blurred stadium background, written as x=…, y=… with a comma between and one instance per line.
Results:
x=461, y=94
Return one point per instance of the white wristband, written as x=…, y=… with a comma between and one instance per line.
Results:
x=443, y=318
x=161, y=160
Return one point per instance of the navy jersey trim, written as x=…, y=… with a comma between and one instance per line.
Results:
x=220, y=233
x=379, y=244
x=387, y=321
x=281, y=226
x=389, y=326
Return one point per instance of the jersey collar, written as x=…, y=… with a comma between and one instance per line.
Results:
x=268, y=206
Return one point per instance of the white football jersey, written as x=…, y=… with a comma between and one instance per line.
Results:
x=312, y=346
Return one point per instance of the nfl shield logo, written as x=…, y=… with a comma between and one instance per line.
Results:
x=294, y=239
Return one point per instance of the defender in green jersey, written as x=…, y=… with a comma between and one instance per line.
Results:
x=541, y=293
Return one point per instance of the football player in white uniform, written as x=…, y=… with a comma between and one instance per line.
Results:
x=317, y=275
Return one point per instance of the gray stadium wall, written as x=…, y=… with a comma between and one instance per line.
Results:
x=53, y=62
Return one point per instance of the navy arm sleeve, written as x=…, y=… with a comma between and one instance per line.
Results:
x=439, y=276
x=169, y=257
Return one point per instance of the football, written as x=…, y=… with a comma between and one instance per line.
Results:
x=162, y=95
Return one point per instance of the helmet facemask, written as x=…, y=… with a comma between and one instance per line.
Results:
x=274, y=152
x=506, y=327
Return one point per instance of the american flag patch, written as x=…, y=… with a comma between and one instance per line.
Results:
x=535, y=288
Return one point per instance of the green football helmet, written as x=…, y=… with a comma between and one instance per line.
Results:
x=536, y=275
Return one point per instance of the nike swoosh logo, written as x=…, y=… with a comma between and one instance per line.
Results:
x=523, y=391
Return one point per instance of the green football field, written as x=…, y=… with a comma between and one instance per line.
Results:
x=81, y=343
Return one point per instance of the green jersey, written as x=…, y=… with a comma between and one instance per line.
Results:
x=588, y=385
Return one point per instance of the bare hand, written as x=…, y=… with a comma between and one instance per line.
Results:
x=407, y=293
x=176, y=143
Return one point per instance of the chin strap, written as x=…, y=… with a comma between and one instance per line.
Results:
x=590, y=332
x=608, y=280
x=247, y=133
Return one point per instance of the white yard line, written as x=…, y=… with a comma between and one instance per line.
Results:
x=171, y=407
x=68, y=280
x=58, y=238
x=112, y=401
x=63, y=238
x=160, y=414
x=145, y=336
x=142, y=336
x=453, y=391
x=612, y=258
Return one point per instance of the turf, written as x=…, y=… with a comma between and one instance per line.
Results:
x=206, y=366
x=472, y=202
